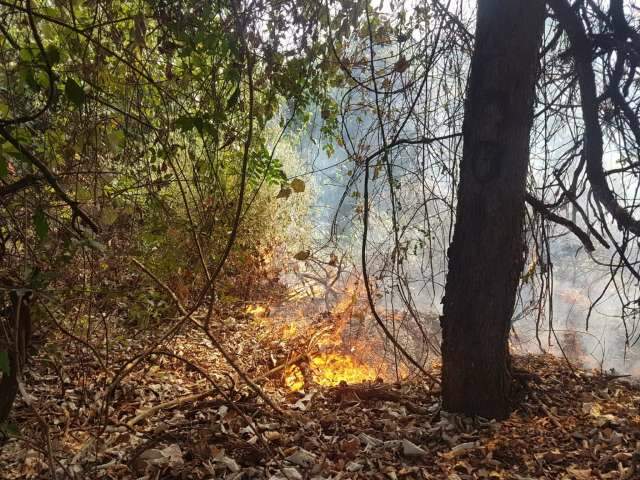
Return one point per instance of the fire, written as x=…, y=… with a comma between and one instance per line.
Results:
x=330, y=369
x=256, y=310
x=345, y=346
x=334, y=368
x=289, y=331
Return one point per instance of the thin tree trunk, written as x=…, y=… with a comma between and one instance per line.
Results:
x=486, y=256
x=17, y=351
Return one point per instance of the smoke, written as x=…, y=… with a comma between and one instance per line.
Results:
x=581, y=319
x=570, y=303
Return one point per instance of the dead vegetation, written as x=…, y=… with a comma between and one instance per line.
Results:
x=184, y=413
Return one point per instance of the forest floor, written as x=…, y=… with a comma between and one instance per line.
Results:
x=164, y=419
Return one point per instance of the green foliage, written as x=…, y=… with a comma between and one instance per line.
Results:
x=145, y=131
x=74, y=92
x=147, y=306
x=265, y=168
x=41, y=224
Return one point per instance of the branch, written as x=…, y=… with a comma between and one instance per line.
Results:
x=571, y=195
x=410, y=141
x=593, y=143
x=21, y=184
x=48, y=69
x=543, y=210
x=176, y=402
x=50, y=178
x=227, y=356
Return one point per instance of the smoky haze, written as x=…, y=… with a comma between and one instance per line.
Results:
x=582, y=318
x=570, y=302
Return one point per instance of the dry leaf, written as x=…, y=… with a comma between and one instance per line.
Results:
x=302, y=255
x=401, y=65
x=297, y=185
x=284, y=192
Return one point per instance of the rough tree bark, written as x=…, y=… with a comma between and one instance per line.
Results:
x=17, y=328
x=486, y=256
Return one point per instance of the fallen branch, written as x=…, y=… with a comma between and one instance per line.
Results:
x=176, y=402
x=374, y=392
x=227, y=356
x=28, y=400
x=548, y=413
x=610, y=378
x=282, y=366
x=552, y=417
x=543, y=210
x=169, y=404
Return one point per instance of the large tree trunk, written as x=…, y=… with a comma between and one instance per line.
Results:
x=486, y=255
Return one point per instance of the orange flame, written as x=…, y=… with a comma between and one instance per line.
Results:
x=343, y=356
x=330, y=369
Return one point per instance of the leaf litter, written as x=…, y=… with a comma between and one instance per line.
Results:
x=166, y=421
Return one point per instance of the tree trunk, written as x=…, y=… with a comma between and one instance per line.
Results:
x=487, y=253
x=17, y=350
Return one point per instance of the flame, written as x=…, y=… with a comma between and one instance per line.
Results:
x=349, y=299
x=335, y=368
x=342, y=337
x=289, y=331
x=330, y=369
x=256, y=310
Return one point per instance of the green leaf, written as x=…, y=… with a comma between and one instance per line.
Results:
x=42, y=79
x=116, y=139
x=4, y=170
x=233, y=99
x=74, y=92
x=53, y=54
x=26, y=55
x=185, y=123
x=108, y=216
x=83, y=194
x=41, y=224
x=5, y=367
x=27, y=75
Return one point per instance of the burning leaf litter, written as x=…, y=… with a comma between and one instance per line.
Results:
x=331, y=369
x=567, y=427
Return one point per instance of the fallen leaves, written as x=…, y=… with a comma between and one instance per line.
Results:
x=566, y=427
x=154, y=458
x=301, y=458
x=460, y=449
